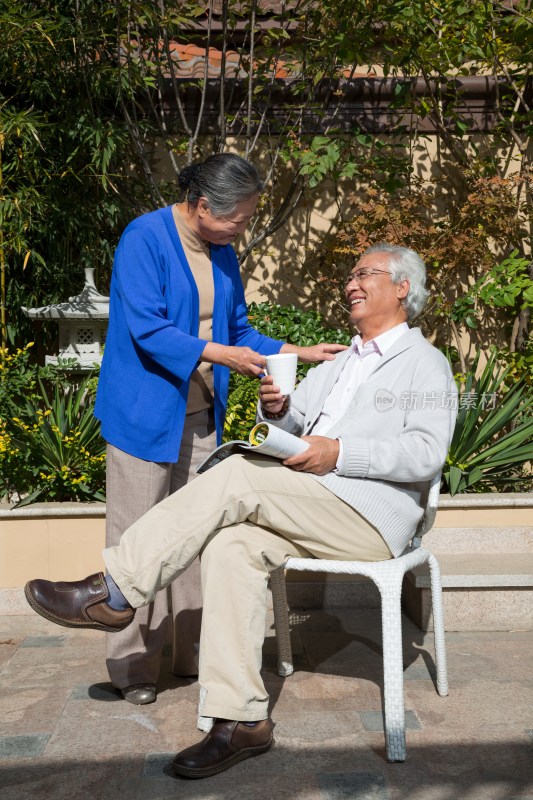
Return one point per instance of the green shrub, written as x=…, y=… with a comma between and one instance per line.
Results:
x=289, y=324
x=19, y=376
x=493, y=438
x=50, y=444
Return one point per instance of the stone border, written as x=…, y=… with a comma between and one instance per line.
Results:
x=486, y=500
x=37, y=510
x=483, y=500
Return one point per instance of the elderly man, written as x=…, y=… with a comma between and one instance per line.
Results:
x=378, y=420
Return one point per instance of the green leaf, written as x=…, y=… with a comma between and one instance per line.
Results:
x=456, y=477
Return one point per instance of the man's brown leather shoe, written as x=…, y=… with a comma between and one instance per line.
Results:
x=78, y=604
x=227, y=743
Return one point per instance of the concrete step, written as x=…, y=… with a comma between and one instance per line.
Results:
x=480, y=592
x=515, y=539
x=486, y=570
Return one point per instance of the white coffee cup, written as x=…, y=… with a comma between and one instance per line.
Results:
x=282, y=368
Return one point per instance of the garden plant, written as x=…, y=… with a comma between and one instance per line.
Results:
x=50, y=443
x=93, y=101
x=493, y=437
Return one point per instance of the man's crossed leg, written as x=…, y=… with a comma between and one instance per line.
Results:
x=244, y=517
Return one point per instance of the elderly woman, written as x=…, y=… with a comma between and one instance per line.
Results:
x=177, y=322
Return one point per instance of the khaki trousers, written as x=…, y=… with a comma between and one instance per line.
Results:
x=244, y=517
x=133, y=487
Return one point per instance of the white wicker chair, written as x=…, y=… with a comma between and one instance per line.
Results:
x=388, y=576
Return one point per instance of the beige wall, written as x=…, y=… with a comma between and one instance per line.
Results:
x=63, y=548
x=51, y=548
x=484, y=517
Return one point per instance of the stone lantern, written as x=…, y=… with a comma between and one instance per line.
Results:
x=82, y=325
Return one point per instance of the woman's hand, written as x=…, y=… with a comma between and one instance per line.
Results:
x=243, y=360
x=325, y=351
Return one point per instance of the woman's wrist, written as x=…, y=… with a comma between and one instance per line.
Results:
x=213, y=353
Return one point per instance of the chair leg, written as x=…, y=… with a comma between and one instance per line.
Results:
x=391, y=622
x=281, y=622
x=438, y=627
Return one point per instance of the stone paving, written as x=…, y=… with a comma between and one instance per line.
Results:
x=66, y=735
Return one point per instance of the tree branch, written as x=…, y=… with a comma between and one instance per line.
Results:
x=251, y=70
x=133, y=124
x=194, y=138
x=172, y=71
x=222, y=110
x=290, y=202
x=457, y=338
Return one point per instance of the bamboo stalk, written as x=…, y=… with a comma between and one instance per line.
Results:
x=3, y=326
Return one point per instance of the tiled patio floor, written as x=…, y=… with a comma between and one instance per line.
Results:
x=65, y=734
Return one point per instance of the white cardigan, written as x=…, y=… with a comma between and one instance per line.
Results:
x=395, y=433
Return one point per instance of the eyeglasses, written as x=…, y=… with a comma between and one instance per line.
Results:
x=361, y=275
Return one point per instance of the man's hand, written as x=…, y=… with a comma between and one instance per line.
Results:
x=270, y=396
x=319, y=458
x=325, y=351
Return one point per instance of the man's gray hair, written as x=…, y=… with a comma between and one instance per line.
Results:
x=405, y=264
x=224, y=179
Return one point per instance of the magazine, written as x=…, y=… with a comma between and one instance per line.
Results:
x=263, y=438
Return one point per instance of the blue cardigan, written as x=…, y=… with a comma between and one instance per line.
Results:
x=152, y=345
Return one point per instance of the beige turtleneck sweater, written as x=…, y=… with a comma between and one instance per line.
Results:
x=197, y=253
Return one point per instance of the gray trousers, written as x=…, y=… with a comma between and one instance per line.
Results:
x=134, y=486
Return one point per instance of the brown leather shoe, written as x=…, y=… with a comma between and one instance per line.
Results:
x=227, y=743
x=79, y=604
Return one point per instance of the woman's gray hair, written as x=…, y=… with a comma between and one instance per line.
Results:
x=405, y=264
x=224, y=179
